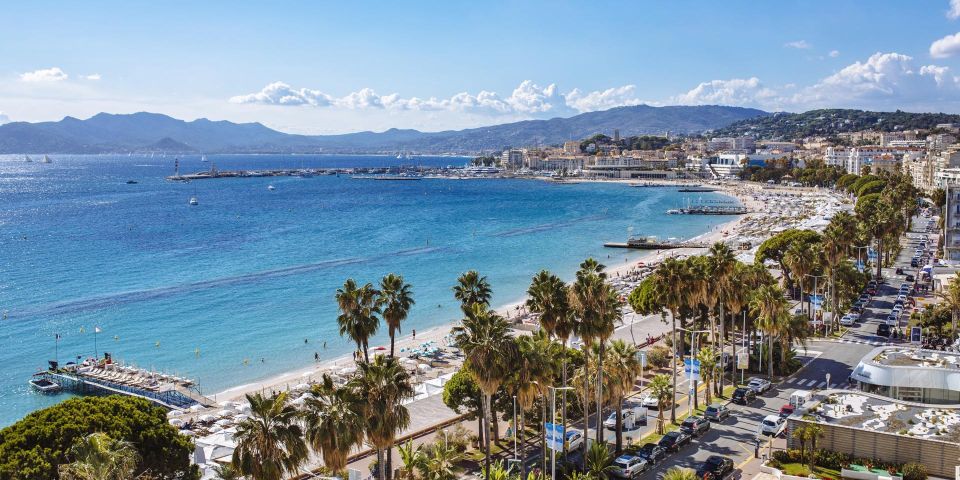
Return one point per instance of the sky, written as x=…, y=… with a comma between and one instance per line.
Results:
x=334, y=67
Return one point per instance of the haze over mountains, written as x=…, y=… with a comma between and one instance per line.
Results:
x=151, y=132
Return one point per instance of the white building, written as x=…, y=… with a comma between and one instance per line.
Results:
x=744, y=144
x=512, y=159
x=571, y=148
x=910, y=374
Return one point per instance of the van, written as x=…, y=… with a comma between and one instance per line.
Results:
x=799, y=397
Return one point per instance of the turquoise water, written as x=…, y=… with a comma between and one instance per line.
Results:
x=250, y=273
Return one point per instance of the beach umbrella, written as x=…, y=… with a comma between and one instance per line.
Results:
x=223, y=422
x=195, y=408
x=216, y=429
x=189, y=433
x=245, y=408
x=226, y=413
x=302, y=386
x=176, y=422
x=174, y=413
x=206, y=418
x=423, y=367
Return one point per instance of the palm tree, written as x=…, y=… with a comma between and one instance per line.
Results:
x=814, y=433
x=384, y=384
x=334, y=421
x=671, y=279
x=951, y=300
x=99, y=457
x=661, y=389
x=395, y=301
x=598, y=462
x=708, y=369
x=270, y=444
x=534, y=370
x=622, y=368
x=770, y=307
x=441, y=461
x=679, y=473
x=227, y=471
x=471, y=289
x=800, y=435
x=723, y=266
x=358, y=314
x=413, y=459
x=801, y=260
x=489, y=352
x=837, y=239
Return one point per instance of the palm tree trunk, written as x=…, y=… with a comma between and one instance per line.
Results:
x=733, y=373
x=563, y=401
x=879, y=257
x=673, y=366
x=600, y=392
x=381, y=468
x=619, y=426
x=487, y=401
x=543, y=433
x=586, y=397
x=481, y=435
x=520, y=438
x=723, y=342
x=392, y=336
x=390, y=462
x=770, y=356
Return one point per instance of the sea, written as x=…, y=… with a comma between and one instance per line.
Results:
x=241, y=287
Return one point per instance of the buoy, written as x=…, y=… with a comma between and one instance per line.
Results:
x=157, y=344
x=116, y=338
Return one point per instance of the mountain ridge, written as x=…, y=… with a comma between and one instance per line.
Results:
x=140, y=131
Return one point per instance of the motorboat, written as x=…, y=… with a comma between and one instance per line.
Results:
x=193, y=201
x=271, y=187
x=132, y=182
x=45, y=385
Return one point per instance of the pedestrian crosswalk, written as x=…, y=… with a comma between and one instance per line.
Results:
x=875, y=343
x=806, y=382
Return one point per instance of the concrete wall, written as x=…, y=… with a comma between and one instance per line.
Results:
x=940, y=458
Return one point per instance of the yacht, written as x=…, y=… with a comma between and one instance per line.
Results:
x=271, y=187
x=44, y=385
x=193, y=201
x=203, y=158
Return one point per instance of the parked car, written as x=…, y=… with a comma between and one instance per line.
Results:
x=715, y=467
x=652, y=452
x=695, y=426
x=743, y=396
x=883, y=330
x=759, y=385
x=772, y=425
x=909, y=278
x=628, y=466
x=787, y=410
x=716, y=412
x=848, y=320
x=573, y=439
x=650, y=401
x=611, y=421
x=675, y=440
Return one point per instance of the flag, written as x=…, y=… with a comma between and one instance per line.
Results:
x=97, y=330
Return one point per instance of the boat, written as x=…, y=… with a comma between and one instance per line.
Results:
x=46, y=159
x=203, y=158
x=132, y=182
x=271, y=187
x=26, y=158
x=193, y=201
x=45, y=385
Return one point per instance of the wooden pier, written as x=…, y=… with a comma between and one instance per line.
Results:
x=651, y=243
x=176, y=397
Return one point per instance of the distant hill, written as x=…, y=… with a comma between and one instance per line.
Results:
x=829, y=122
x=110, y=133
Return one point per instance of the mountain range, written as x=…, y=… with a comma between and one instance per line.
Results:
x=152, y=132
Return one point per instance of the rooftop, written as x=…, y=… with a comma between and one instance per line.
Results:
x=880, y=414
x=915, y=357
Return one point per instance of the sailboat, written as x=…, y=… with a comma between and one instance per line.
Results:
x=46, y=159
x=203, y=158
x=26, y=158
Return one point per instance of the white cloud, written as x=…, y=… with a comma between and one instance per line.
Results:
x=4, y=118
x=527, y=100
x=834, y=53
x=735, y=91
x=798, y=44
x=946, y=47
x=53, y=74
x=954, y=12
x=279, y=93
x=92, y=76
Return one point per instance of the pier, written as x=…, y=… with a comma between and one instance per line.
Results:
x=171, y=398
x=652, y=243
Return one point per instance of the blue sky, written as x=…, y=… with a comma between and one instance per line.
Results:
x=329, y=67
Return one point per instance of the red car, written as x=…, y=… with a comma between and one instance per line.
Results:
x=786, y=411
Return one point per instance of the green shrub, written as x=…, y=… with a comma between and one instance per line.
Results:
x=830, y=459
x=914, y=471
x=34, y=447
x=659, y=356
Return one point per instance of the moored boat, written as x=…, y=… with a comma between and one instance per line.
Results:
x=45, y=385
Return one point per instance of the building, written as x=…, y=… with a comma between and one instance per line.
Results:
x=737, y=144
x=854, y=159
x=512, y=159
x=884, y=163
x=951, y=222
x=629, y=167
x=571, y=148
x=910, y=374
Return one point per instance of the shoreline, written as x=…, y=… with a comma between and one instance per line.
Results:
x=437, y=333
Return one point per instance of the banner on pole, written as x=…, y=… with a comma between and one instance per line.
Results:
x=554, y=433
x=691, y=367
x=743, y=360
x=642, y=355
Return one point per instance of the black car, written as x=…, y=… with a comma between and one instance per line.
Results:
x=883, y=330
x=695, y=426
x=675, y=440
x=909, y=278
x=715, y=467
x=743, y=396
x=652, y=453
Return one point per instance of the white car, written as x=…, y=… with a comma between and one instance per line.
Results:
x=848, y=320
x=611, y=421
x=573, y=439
x=759, y=385
x=629, y=466
x=772, y=425
x=650, y=401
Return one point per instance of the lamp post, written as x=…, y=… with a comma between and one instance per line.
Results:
x=553, y=418
x=816, y=278
x=693, y=356
x=516, y=450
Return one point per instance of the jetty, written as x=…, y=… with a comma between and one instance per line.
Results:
x=697, y=189
x=653, y=243
x=710, y=210
x=400, y=177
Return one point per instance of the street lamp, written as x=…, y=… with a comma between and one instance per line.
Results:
x=816, y=278
x=693, y=356
x=553, y=418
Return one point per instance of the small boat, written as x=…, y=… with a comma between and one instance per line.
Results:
x=271, y=187
x=46, y=159
x=132, y=182
x=44, y=385
x=26, y=158
x=203, y=158
x=193, y=201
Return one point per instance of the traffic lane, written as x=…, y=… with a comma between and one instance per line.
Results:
x=838, y=360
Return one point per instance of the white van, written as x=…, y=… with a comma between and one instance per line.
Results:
x=799, y=397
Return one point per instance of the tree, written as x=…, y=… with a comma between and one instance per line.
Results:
x=598, y=462
x=333, y=418
x=939, y=197
x=489, y=351
x=801, y=260
x=723, y=264
x=775, y=247
x=708, y=369
x=414, y=461
x=814, y=433
x=270, y=444
x=679, y=473
x=534, y=370
x=622, y=368
x=441, y=461
x=358, y=314
x=99, y=457
x=671, y=279
x=951, y=300
x=471, y=289
x=384, y=384
x=35, y=447
x=800, y=435
x=396, y=299
x=227, y=471
x=661, y=389
x=770, y=307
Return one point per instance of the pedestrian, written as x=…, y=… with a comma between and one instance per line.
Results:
x=304, y=340
x=316, y=356
x=324, y=344
x=414, y=332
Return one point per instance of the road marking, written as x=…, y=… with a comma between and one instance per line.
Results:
x=821, y=384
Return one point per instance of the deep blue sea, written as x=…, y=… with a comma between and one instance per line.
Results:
x=250, y=273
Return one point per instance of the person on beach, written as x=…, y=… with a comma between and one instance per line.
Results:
x=324, y=344
x=316, y=357
x=414, y=332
